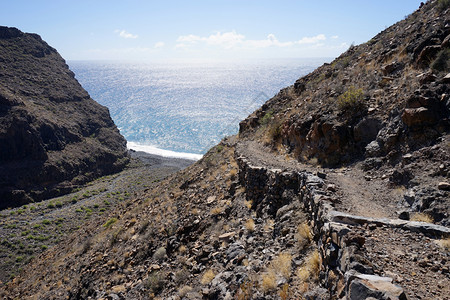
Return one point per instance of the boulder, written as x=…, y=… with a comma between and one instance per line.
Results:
x=427, y=55
x=366, y=286
x=418, y=117
x=444, y=185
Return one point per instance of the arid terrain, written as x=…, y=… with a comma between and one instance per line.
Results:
x=336, y=188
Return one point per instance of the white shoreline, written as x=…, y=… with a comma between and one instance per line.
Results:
x=161, y=152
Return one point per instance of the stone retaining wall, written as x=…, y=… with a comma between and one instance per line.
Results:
x=344, y=272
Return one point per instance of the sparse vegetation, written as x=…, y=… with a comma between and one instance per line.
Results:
x=351, y=101
x=207, y=277
x=245, y=291
x=282, y=265
x=304, y=235
x=310, y=269
x=444, y=243
x=250, y=225
x=269, y=281
x=184, y=290
x=267, y=118
x=155, y=282
x=160, y=254
x=422, y=217
x=284, y=292
x=110, y=222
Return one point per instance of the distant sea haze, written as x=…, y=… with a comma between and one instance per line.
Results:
x=183, y=109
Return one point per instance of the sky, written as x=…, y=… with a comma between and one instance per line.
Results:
x=203, y=30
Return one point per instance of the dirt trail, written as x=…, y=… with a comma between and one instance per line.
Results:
x=357, y=193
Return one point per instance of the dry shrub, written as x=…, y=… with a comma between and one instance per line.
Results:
x=310, y=269
x=184, y=290
x=182, y=249
x=216, y=211
x=444, y=243
x=352, y=100
x=233, y=173
x=269, y=281
x=248, y=204
x=304, y=235
x=208, y=276
x=155, y=282
x=422, y=217
x=160, y=254
x=250, y=225
x=269, y=225
x=245, y=291
x=284, y=292
x=282, y=264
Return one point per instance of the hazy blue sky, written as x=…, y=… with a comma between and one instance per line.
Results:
x=222, y=29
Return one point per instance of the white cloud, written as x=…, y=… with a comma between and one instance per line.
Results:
x=159, y=45
x=311, y=40
x=126, y=35
x=335, y=37
x=181, y=46
x=232, y=39
x=189, y=38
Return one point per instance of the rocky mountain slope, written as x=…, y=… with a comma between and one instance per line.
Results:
x=53, y=136
x=383, y=104
x=330, y=191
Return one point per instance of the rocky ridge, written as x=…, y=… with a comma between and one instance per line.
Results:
x=315, y=199
x=53, y=136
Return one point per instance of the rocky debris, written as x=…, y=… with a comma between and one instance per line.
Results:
x=374, y=287
x=53, y=136
x=444, y=186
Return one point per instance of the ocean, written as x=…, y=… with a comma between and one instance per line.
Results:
x=183, y=109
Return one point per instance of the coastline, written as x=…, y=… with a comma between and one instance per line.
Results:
x=155, y=161
x=163, y=153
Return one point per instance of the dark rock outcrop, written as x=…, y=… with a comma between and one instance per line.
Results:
x=53, y=136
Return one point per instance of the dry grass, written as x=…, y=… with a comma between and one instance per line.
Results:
x=422, y=217
x=208, y=276
x=245, y=291
x=216, y=211
x=282, y=264
x=184, y=290
x=182, y=249
x=310, y=269
x=250, y=225
x=269, y=225
x=304, y=234
x=269, y=281
x=248, y=204
x=284, y=292
x=444, y=243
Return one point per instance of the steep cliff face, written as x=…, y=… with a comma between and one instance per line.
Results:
x=53, y=136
